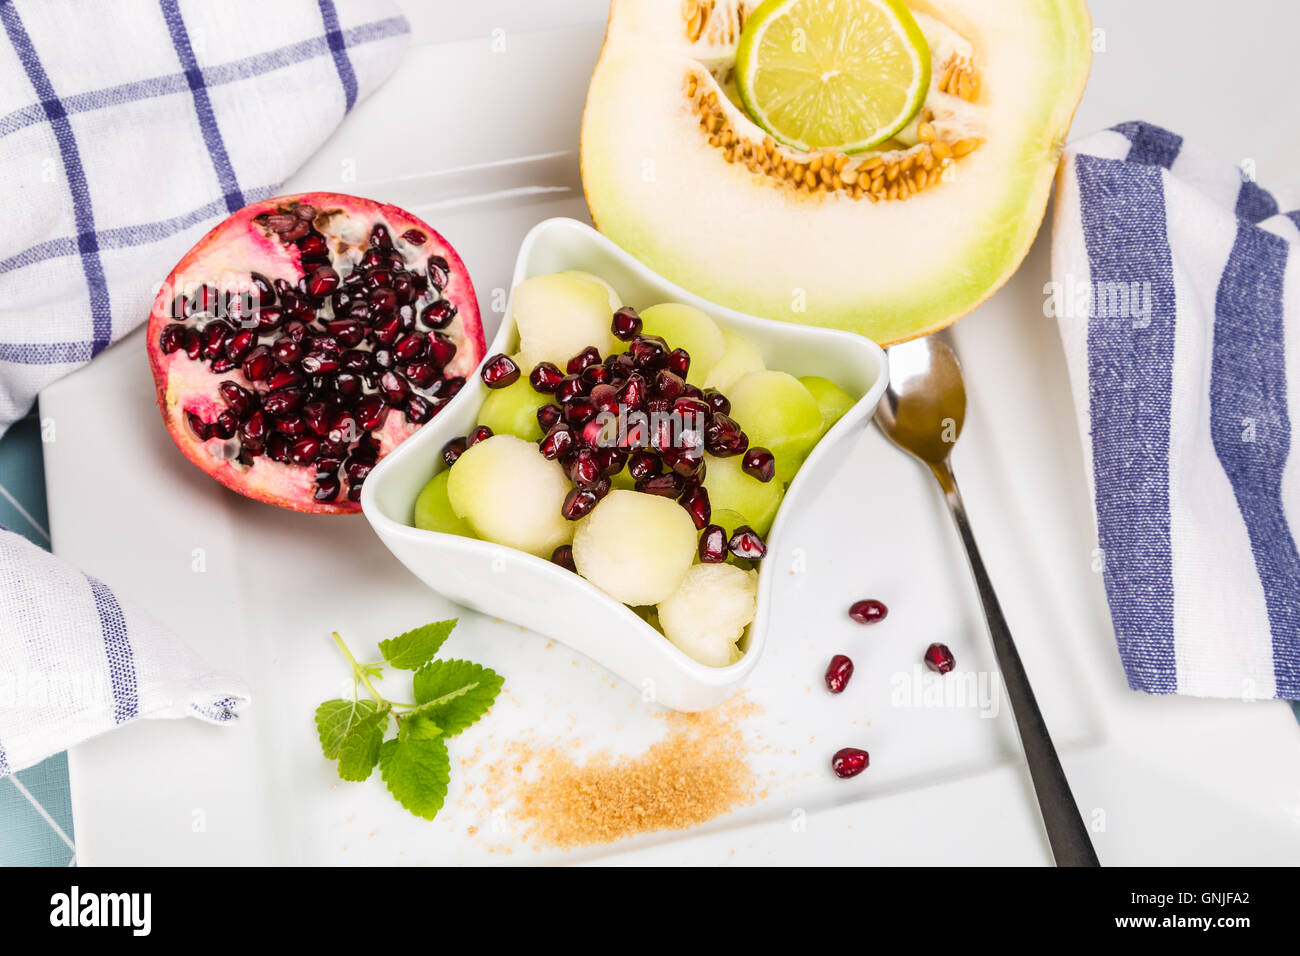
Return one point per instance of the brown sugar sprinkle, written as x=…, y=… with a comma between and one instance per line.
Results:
x=891, y=176
x=697, y=772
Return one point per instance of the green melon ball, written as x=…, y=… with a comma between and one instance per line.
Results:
x=780, y=414
x=511, y=495
x=433, y=511
x=560, y=315
x=739, y=357
x=635, y=547
x=731, y=489
x=615, y=300
x=831, y=399
x=513, y=410
x=686, y=327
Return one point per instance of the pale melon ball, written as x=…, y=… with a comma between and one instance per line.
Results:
x=739, y=357
x=686, y=327
x=615, y=300
x=560, y=315
x=707, y=615
x=635, y=547
x=511, y=495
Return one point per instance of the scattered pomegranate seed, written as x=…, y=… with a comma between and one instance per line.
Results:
x=578, y=502
x=759, y=462
x=838, y=673
x=869, y=611
x=563, y=556
x=545, y=377
x=500, y=371
x=482, y=433
x=939, y=658
x=717, y=401
x=723, y=437
x=584, y=359
x=696, y=502
x=415, y=237
x=850, y=762
x=713, y=545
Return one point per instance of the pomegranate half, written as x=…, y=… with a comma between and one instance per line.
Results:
x=304, y=338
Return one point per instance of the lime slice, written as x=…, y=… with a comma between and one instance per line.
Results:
x=832, y=74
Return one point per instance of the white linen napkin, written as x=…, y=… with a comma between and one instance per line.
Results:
x=127, y=130
x=1176, y=283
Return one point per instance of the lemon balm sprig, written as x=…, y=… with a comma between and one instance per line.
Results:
x=449, y=696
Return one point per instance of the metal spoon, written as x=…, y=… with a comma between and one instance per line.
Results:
x=922, y=413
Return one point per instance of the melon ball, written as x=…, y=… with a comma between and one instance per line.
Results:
x=733, y=489
x=560, y=315
x=686, y=327
x=739, y=357
x=707, y=615
x=615, y=301
x=511, y=495
x=433, y=511
x=635, y=547
x=779, y=413
x=831, y=399
x=513, y=410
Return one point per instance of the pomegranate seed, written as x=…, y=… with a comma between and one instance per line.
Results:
x=563, y=556
x=303, y=451
x=482, y=433
x=687, y=462
x=668, y=384
x=626, y=325
x=442, y=348
x=292, y=425
x=172, y=338
x=322, y=282
x=193, y=344
x=545, y=377
x=284, y=401
x=666, y=486
x=320, y=363
x=723, y=437
x=312, y=246
x=869, y=611
x=611, y=460
x=421, y=374
x=379, y=237
x=254, y=428
x=317, y=417
x=584, y=470
x=649, y=352
x=238, y=400
x=327, y=489
x=418, y=410
x=257, y=364
x=604, y=398
x=579, y=411
x=643, y=464
x=578, y=503
x=838, y=673
x=286, y=350
x=439, y=272
x=584, y=359
x=570, y=387
x=438, y=315
x=679, y=362
x=713, y=545
x=759, y=463
x=717, y=401
x=850, y=762
x=214, y=338
x=415, y=237
x=596, y=375
x=453, y=450
x=410, y=347
x=282, y=378
x=691, y=409
x=939, y=658
x=696, y=502
x=632, y=394
x=197, y=425
x=500, y=371
x=394, y=387
x=745, y=543
x=557, y=443
x=548, y=415
x=347, y=332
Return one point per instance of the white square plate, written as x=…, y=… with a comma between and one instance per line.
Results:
x=258, y=591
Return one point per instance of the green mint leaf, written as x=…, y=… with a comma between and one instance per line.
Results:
x=335, y=718
x=360, y=750
x=417, y=773
x=418, y=725
x=414, y=649
x=455, y=694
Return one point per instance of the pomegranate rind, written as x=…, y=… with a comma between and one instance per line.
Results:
x=231, y=251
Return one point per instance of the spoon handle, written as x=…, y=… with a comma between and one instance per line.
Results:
x=1066, y=832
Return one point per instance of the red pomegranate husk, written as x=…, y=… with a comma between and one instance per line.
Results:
x=226, y=258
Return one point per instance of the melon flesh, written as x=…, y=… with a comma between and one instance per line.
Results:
x=891, y=270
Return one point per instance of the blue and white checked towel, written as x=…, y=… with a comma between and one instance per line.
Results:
x=128, y=129
x=1176, y=280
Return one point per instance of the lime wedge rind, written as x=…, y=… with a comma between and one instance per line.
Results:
x=847, y=107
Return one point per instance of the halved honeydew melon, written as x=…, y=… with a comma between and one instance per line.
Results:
x=894, y=242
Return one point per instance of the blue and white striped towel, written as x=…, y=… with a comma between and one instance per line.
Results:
x=1176, y=280
x=127, y=130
